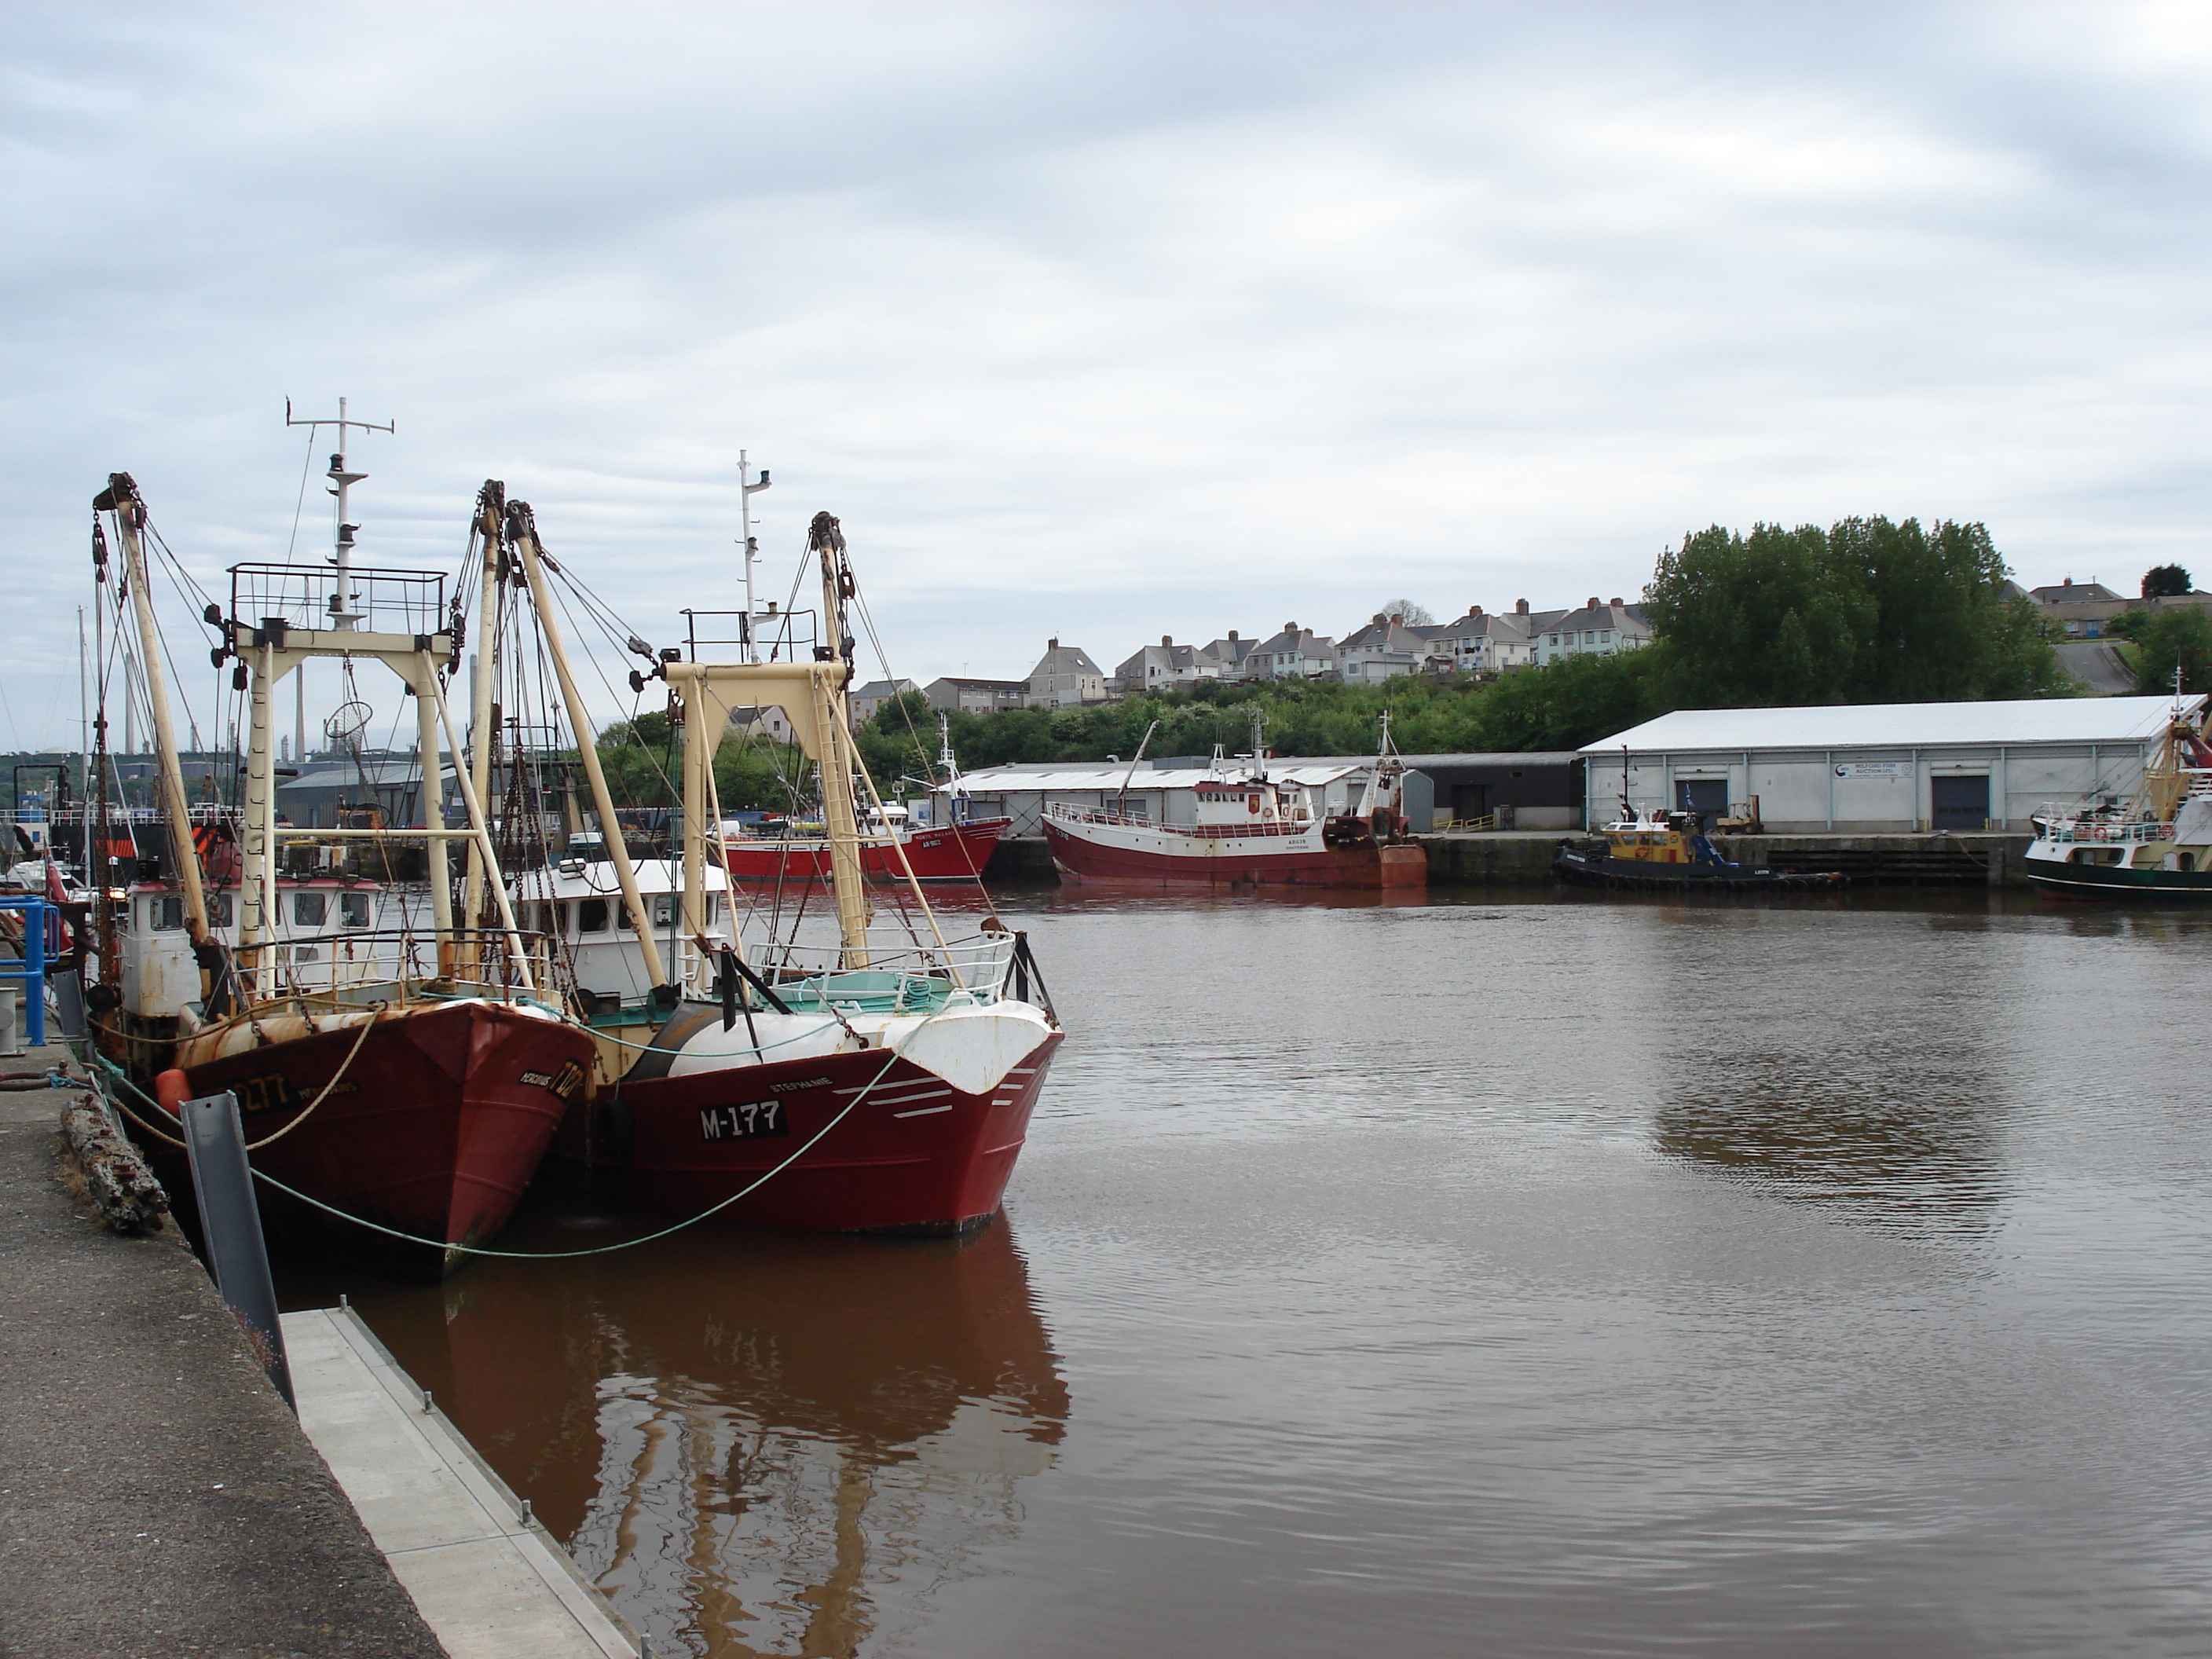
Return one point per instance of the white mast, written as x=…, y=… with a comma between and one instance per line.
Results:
x=343, y=612
x=748, y=548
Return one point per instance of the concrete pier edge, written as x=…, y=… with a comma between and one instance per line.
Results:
x=454, y=1533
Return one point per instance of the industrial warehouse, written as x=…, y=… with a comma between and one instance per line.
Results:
x=1883, y=768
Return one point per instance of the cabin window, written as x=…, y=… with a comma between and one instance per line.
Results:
x=166, y=912
x=309, y=908
x=218, y=906
x=352, y=909
x=622, y=916
x=592, y=916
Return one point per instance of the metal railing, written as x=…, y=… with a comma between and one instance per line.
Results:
x=362, y=965
x=1272, y=829
x=299, y=596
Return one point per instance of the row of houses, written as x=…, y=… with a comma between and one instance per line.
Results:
x=1481, y=642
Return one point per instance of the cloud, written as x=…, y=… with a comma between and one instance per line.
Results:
x=1104, y=321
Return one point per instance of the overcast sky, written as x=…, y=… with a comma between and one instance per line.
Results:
x=1103, y=322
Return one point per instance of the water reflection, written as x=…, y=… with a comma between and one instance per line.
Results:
x=756, y=1443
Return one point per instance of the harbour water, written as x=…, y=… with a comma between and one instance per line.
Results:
x=1510, y=1274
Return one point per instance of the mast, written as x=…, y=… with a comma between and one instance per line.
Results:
x=343, y=613
x=835, y=764
x=522, y=534
x=121, y=497
x=491, y=512
x=748, y=546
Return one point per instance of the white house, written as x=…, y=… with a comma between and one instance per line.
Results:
x=1296, y=654
x=1065, y=677
x=1481, y=642
x=958, y=694
x=1603, y=629
x=1161, y=667
x=1224, y=660
x=1384, y=649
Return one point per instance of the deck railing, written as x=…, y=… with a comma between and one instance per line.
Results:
x=1271, y=829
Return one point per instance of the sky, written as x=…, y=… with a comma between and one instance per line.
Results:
x=1098, y=322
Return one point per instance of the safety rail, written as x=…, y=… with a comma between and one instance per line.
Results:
x=1274, y=829
x=299, y=596
x=362, y=966
x=2065, y=831
x=909, y=975
x=1467, y=826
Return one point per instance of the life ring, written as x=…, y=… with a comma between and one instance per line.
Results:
x=2101, y=832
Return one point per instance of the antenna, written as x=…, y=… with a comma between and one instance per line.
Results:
x=343, y=613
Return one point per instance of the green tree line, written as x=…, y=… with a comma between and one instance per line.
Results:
x=1864, y=610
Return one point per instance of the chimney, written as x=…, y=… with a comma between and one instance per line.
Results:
x=1289, y=628
x=1053, y=645
x=1474, y=610
x=1167, y=639
x=1616, y=599
x=1395, y=620
x=1592, y=605
x=1232, y=633
x=2068, y=582
x=1521, y=607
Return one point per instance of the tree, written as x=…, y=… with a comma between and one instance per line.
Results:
x=2180, y=634
x=1405, y=612
x=1866, y=611
x=2164, y=581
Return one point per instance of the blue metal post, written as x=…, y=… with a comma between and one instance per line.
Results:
x=32, y=970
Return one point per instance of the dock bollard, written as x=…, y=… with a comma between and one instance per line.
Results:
x=426, y=1402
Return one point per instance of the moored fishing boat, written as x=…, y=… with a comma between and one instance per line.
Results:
x=854, y=1084
x=2156, y=847
x=1252, y=829
x=388, y=1070
x=893, y=852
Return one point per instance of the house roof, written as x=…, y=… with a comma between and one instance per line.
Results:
x=1901, y=724
x=1384, y=634
x=2070, y=589
x=981, y=685
x=1502, y=625
x=1297, y=639
x=1622, y=618
x=886, y=688
x=1065, y=660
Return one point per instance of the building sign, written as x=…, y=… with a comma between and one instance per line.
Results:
x=1874, y=770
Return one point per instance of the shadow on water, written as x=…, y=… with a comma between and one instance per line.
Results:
x=754, y=1442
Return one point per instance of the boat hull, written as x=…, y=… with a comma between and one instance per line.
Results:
x=2120, y=882
x=954, y=852
x=1234, y=861
x=1572, y=864
x=435, y=1127
x=915, y=1155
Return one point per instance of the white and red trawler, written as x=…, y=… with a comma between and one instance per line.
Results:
x=1251, y=830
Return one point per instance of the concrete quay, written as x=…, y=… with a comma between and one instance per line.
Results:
x=1505, y=857
x=156, y=1497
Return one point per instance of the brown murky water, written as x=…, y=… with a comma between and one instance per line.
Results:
x=1513, y=1275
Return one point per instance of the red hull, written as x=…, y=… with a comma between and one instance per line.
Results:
x=916, y=1155
x=954, y=852
x=441, y=1129
x=1327, y=866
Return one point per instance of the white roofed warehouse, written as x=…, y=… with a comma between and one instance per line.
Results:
x=1883, y=768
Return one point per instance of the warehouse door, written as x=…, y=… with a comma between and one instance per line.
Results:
x=1470, y=800
x=1706, y=797
x=1960, y=803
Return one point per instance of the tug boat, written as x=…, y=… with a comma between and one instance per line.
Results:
x=1251, y=830
x=2157, y=847
x=1652, y=849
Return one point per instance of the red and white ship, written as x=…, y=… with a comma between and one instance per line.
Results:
x=951, y=852
x=855, y=1082
x=405, y=1075
x=1251, y=830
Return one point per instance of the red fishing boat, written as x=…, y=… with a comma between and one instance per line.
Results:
x=390, y=1067
x=856, y=1083
x=1250, y=829
x=951, y=852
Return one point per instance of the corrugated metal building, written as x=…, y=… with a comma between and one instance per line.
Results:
x=1883, y=767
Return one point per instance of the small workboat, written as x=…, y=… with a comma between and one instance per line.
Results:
x=1653, y=849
